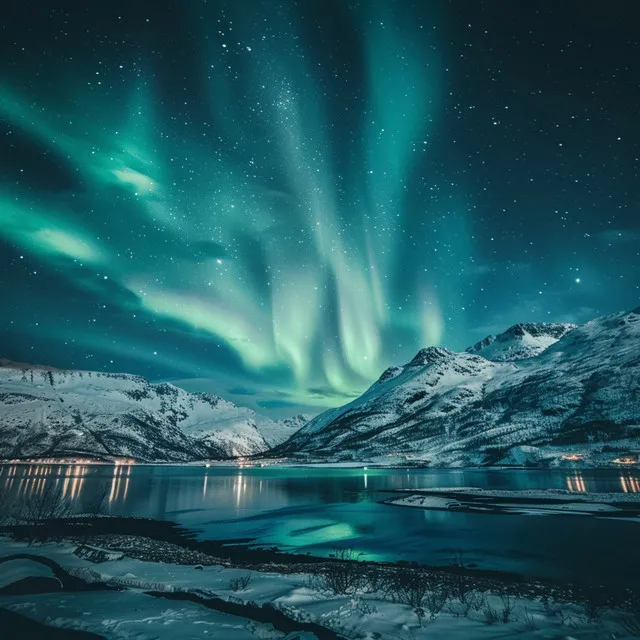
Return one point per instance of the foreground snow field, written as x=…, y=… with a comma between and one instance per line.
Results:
x=133, y=613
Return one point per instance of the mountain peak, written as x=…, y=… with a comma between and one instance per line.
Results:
x=430, y=355
x=523, y=340
x=468, y=410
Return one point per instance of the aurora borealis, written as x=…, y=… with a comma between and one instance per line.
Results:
x=274, y=200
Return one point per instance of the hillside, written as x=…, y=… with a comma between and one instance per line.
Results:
x=521, y=341
x=50, y=412
x=581, y=393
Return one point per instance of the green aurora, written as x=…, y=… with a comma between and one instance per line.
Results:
x=273, y=195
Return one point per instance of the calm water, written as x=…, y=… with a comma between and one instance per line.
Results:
x=316, y=510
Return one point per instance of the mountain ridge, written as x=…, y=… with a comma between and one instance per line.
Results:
x=520, y=341
x=447, y=408
x=46, y=411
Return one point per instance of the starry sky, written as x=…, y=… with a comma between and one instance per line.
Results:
x=274, y=200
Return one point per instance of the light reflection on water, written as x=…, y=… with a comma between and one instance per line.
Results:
x=120, y=482
x=314, y=510
x=629, y=483
x=576, y=483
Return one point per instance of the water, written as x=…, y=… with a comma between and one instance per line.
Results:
x=317, y=510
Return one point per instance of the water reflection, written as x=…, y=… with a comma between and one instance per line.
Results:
x=239, y=488
x=630, y=484
x=68, y=481
x=160, y=491
x=576, y=483
x=120, y=482
x=314, y=510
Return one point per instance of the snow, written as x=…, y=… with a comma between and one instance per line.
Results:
x=534, y=502
x=15, y=570
x=126, y=615
x=105, y=414
x=535, y=494
x=521, y=341
x=132, y=613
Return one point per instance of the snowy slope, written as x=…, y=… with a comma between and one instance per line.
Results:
x=460, y=408
x=46, y=411
x=521, y=341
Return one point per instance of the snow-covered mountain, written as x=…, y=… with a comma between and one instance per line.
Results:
x=51, y=412
x=521, y=341
x=581, y=391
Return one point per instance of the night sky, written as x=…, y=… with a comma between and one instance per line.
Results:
x=274, y=200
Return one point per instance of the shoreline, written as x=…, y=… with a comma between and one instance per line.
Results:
x=169, y=542
x=267, y=464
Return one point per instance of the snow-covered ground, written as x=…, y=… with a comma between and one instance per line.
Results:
x=523, y=502
x=133, y=614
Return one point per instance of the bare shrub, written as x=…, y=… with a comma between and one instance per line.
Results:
x=457, y=560
x=409, y=587
x=418, y=590
x=435, y=600
x=240, y=583
x=491, y=615
x=567, y=619
x=460, y=587
x=366, y=608
x=38, y=507
x=593, y=604
x=508, y=604
x=373, y=579
x=343, y=575
x=501, y=614
x=473, y=600
x=551, y=609
x=529, y=620
x=315, y=582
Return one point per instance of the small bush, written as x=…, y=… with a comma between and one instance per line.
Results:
x=460, y=587
x=409, y=587
x=240, y=583
x=567, y=619
x=435, y=601
x=508, y=604
x=473, y=600
x=491, y=615
x=373, y=579
x=593, y=604
x=366, y=608
x=343, y=575
x=529, y=620
x=551, y=609
x=418, y=590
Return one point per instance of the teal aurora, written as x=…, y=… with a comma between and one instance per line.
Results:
x=275, y=200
